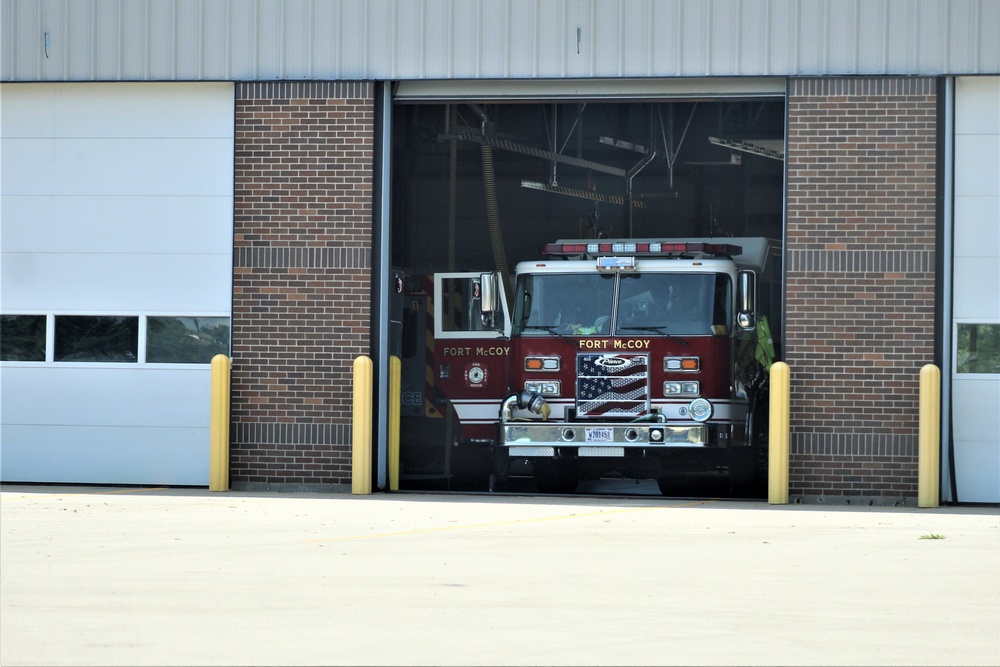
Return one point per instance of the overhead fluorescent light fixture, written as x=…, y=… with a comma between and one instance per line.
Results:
x=767, y=148
x=579, y=194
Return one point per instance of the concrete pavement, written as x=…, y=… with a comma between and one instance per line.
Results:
x=92, y=576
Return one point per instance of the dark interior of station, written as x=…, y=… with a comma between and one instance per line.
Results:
x=582, y=169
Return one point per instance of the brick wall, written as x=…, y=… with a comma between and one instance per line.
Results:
x=860, y=281
x=302, y=272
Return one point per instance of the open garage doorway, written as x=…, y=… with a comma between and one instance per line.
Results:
x=479, y=186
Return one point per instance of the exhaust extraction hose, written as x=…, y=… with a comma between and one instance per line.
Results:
x=493, y=216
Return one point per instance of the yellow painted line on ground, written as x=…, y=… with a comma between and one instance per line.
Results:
x=493, y=524
x=103, y=493
x=15, y=495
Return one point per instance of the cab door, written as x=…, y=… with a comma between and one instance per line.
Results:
x=471, y=357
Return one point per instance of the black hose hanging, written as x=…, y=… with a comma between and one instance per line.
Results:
x=493, y=215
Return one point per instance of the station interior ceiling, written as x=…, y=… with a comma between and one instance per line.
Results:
x=567, y=169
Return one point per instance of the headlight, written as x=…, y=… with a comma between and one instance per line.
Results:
x=700, y=410
x=681, y=388
x=544, y=387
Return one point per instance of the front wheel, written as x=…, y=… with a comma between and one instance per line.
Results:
x=748, y=465
x=759, y=431
x=556, y=476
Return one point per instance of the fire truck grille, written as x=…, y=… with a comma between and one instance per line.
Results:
x=612, y=385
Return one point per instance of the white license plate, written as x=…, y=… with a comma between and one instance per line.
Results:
x=599, y=435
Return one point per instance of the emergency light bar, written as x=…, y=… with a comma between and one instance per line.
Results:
x=639, y=248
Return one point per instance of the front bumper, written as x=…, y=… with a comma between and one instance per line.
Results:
x=598, y=439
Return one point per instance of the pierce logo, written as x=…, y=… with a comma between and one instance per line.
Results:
x=611, y=362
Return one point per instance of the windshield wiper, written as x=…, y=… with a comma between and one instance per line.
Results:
x=551, y=328
x=658, y=330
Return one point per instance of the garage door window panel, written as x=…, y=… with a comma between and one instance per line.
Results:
x=84, y=338
x=978, y=348
x=186, y=340
x=22, y=337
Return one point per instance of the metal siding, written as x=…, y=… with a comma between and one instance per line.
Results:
x=810, y=36
x=270, y=56
x=493, y=49
x=844, y=57
x=635, y=46
x=297, y=41
x=111, y=40
x=544, y=40
x=899, y=33
x=381, y=35
x=725, y=33
x=606, y=22
x=466, y=28
x=134, y=34
x=870, y=58
x=524, y=14
x=189, y=28
x=693, y=26
x=932, y=18
x=988, y=29
x=754, y=43
x=242, y=22
x=438, y=32
x=162, y=37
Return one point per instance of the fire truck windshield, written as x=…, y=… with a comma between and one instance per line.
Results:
x=674, y=303
x=583, y=304
x=578, y=304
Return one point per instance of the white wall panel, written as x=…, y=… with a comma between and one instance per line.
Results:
x=104, y=455
x=977, y=286
x=175, y=225
x=150, y=110
x=976, y=282
x=82, y=394
x=975, y=173
x=117, y=199
x=979, y=463
x=110, y=166
x=117, y=283
x=980, y=234
x=91, y=424
x=437, y=39
x=979, y=111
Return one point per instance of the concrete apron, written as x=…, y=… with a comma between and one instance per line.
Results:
x=184, y=576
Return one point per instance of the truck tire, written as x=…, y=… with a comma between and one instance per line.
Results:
x=555, y=476
x=748, y=465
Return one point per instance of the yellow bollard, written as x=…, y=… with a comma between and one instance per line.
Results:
x=218, y=429
x=929, y=466
x=777, y=437
x=361, y=428
x=395, y=374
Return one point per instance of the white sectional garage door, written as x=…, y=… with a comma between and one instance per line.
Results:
x=115, y=278
x=976, y=311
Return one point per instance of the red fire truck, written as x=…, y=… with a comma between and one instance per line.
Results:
x=639, y=358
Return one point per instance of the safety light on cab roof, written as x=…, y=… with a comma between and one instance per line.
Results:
x=639, y=248
x=541, y=363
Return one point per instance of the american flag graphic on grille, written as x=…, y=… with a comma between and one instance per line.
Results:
x=612, y=385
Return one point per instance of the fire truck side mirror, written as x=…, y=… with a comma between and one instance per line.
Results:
x=746, y=318
x=489, y=301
